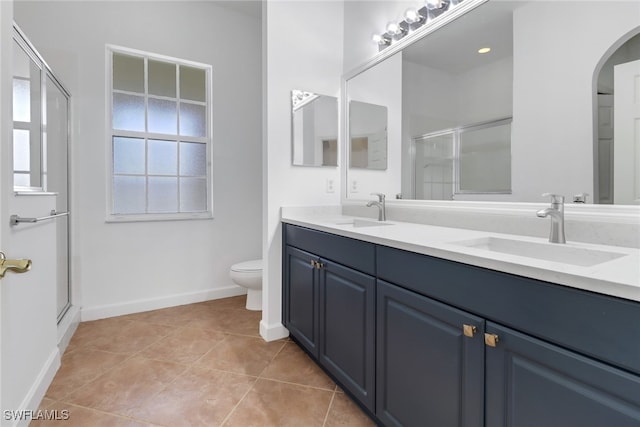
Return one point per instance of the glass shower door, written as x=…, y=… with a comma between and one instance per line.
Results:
x=56, y=137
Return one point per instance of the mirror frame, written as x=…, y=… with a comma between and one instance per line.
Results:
x=626, y=214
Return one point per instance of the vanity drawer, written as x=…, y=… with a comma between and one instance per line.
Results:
x=596, y=325
x=352, y=253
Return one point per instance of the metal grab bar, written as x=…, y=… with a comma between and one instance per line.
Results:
x=15, y=219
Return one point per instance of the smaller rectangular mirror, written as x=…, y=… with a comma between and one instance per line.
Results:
x=314, y=129
x=367, y=136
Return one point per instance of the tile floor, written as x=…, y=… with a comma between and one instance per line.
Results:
x=195, y=365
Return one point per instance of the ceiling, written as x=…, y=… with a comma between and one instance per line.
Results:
x=454, y=47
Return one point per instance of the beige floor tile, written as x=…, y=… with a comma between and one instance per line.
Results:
x=272, y=403
x=82, y=417
x=293, y=365
x=241, y=354
x=131, y=338
x=128, y=385
x=343, y=412
x=238, y=303
x=243, y=322
x=172, y=316
x=80, y=367
x=200, y=397
x=186, y=345
x=96, y=331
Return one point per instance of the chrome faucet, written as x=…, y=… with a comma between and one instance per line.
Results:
x=382, y=210
x=556, y=212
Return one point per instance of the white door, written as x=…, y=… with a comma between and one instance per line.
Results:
x=28, y=342
x=605, y=149
x=626, y=184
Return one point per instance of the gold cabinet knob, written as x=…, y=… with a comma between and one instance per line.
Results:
x=469, y=330
x=491, y=339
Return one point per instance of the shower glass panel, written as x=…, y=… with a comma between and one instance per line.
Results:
x=56, y=180
x=485, y=159
x=434, y=167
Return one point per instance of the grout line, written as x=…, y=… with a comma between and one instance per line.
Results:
x=297, y=384
x=271, y=360
x=224, y=421
x=326, y=416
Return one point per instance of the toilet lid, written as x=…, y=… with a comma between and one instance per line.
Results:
x=253, y=265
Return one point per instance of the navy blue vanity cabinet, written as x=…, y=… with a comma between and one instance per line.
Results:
x=532, y=383
x=430, y=362
x=301, y=294
x=329, y=306
x=347, y=329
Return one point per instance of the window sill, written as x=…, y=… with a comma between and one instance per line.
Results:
x=157, y=217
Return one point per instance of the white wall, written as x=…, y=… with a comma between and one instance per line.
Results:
x=553, y=151
x=127, y=267
x=302, y=50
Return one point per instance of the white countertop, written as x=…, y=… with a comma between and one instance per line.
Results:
x=619, y=277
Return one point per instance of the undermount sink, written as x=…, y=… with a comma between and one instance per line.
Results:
x=357, y=223
x=583, y=257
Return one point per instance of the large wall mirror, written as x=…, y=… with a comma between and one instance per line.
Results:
x=314, y=129
x=508, y=101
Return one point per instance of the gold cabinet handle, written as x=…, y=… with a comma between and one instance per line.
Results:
x=313, y=263
x=469, y=330
x=491, y=339
x=15, y=265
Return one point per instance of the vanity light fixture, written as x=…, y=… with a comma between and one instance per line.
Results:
x=484, y=50
x=413, y=19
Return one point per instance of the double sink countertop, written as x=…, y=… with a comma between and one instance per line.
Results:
x=609, y=270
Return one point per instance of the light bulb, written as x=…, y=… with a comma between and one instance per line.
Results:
x=484, y=50
x=394, y=28
x=412, y=16
x=434, y=4
x=377, y=38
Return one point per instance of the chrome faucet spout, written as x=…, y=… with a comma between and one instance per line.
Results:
x=382, y=209
x=556, y=213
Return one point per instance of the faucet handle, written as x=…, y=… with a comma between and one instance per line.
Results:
x=555, y=198
x=380, y=196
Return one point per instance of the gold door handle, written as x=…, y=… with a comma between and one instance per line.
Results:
x=15, y=265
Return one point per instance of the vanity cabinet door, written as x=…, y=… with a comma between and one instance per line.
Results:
x=533, y=383
x=347, y=329
x=429, y=372
x=301, y=294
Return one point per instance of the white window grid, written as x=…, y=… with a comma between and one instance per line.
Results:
x=146, y=135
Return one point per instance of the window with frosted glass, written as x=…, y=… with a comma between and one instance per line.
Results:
x=160, y=136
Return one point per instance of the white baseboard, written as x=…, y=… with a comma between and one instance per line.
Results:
x=39, y=388
x=67, y=327
x=112, y=310
x=273, y=332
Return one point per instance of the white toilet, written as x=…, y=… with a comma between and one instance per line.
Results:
x=248, y=274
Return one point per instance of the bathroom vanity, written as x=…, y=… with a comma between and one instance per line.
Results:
x=424, y=325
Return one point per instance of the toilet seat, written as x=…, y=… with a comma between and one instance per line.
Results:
x=248, y=266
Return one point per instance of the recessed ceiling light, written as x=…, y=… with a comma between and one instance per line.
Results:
x=484, y=50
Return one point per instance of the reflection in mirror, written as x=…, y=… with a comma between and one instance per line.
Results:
x=537, y=73
x=314, y=130
x=467, y=160
x=27, y=120
x=367, y=136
